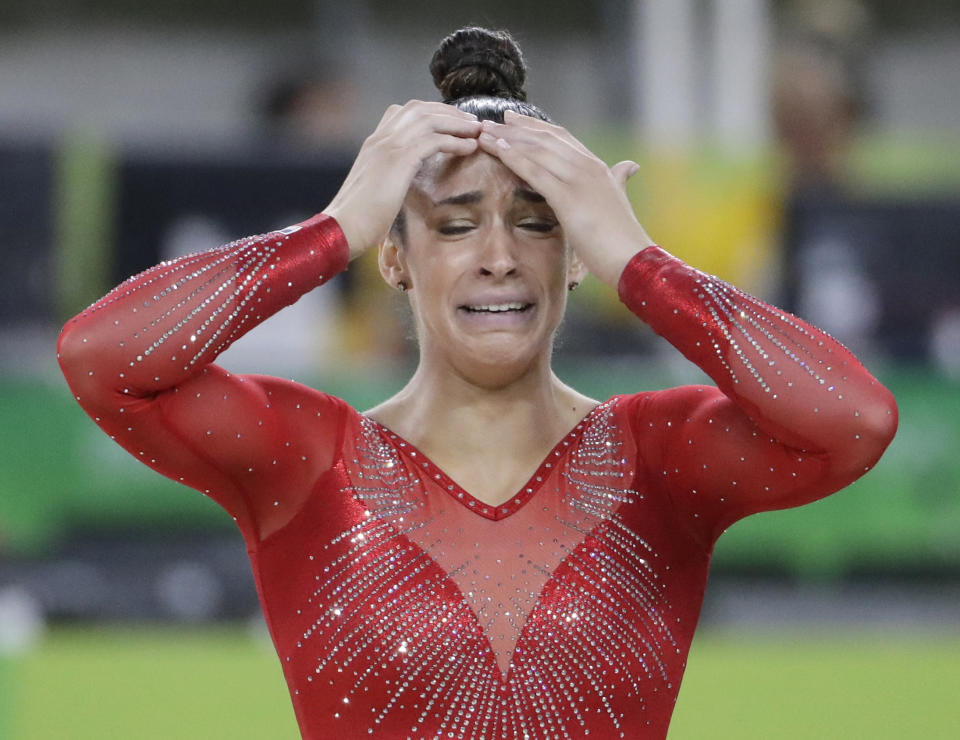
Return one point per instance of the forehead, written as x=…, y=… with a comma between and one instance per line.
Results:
x=445, y=175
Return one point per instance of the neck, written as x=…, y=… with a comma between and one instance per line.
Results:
x=444, y=412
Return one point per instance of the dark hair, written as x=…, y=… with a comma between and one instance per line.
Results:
x=482, y=72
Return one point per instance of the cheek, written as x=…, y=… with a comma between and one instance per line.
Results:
x=433, y=269
x=419, y=259
x=558, y=260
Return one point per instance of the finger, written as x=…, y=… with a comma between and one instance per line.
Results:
x=623, y=171
x=529, y=169
x=516, y=120
x=551, y=138
x=458, y=125
x=413, y=109
x=511, y=117
x=389, y=114
x=544, y=137
x=436, y=106
x=553, y=157
x=406, y=146
x=409, y=130
x=458, y=145
x=423, y=116
x=426, y=146
x=556, y=157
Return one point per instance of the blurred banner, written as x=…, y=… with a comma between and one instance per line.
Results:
x=750, y=144
x=27, y=280
x=882, y=273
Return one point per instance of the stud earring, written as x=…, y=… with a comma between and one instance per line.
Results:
x=402, y=286
x=573, y=285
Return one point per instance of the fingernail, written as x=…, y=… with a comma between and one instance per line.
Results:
x=503, y=143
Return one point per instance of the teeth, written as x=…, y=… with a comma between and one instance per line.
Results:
x=499, y=307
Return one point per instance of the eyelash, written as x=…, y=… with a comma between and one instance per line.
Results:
x=454, y=230
x=542, y=227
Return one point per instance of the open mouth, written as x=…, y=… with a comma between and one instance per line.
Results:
x=497, y=308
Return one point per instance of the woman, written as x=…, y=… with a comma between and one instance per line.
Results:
x=489, y=553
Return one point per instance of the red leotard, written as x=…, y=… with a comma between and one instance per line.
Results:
x=403, y=607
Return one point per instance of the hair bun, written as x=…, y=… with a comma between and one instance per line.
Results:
x=478, y=61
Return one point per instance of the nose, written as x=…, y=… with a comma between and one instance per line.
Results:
x=498, y=257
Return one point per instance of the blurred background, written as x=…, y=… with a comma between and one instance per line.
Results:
x=808, y=151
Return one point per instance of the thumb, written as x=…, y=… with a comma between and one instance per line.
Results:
x=623, y=171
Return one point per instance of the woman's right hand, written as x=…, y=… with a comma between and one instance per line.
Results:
x=373, y=192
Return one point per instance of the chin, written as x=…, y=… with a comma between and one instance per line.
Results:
x=498, y=364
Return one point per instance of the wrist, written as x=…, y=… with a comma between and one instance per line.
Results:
x=322, y=237
x=355, y=243
x=608, y=266
x=638, y=276
x=612, y=266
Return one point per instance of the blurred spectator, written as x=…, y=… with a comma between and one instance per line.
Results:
x=945, y=342
x=817, y=93
x=299, y=342
x=818, y=100
x=311, y=108
x=307, y=115
x=815, y=110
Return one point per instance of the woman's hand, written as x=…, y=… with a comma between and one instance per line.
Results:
x=373, y=191
x=588, y=197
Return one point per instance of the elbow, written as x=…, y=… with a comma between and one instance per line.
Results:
x=878, y=421
x=72, y=351
x=881, y=418
x=78, y=356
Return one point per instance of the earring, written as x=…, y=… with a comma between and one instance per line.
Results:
x=402, y=286
x=573, y=285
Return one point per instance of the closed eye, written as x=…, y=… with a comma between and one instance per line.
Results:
x=543, y=227
x=454, y=229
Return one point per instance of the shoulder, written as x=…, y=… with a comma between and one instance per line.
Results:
x=284, y=392
x=665, y=404
x=297, y=407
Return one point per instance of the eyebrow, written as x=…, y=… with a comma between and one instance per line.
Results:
x=475, y=196
x=531, y=196
x=462, y=199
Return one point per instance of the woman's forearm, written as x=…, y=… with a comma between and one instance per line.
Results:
x=164, y=325
x=796, y=382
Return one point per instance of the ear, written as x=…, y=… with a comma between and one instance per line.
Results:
x=576, y=270
x=392, y=264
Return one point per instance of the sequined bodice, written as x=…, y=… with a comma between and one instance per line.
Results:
x=402, y=607
x=548, y=617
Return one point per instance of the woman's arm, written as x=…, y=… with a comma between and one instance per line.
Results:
x=139, y=361
x=794, y=415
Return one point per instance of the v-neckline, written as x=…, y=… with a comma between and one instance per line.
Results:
x=459, y=494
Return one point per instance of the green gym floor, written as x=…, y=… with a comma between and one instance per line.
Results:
x=212, y=683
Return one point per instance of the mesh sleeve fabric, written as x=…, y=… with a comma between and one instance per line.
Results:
x=794, y=416
x=139, y=362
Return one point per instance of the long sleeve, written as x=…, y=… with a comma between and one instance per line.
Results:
x=794, y=416
x=139, y=362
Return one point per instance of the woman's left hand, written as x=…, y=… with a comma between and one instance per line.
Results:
x=588, y=197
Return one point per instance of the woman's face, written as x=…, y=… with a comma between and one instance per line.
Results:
x=488, y=266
